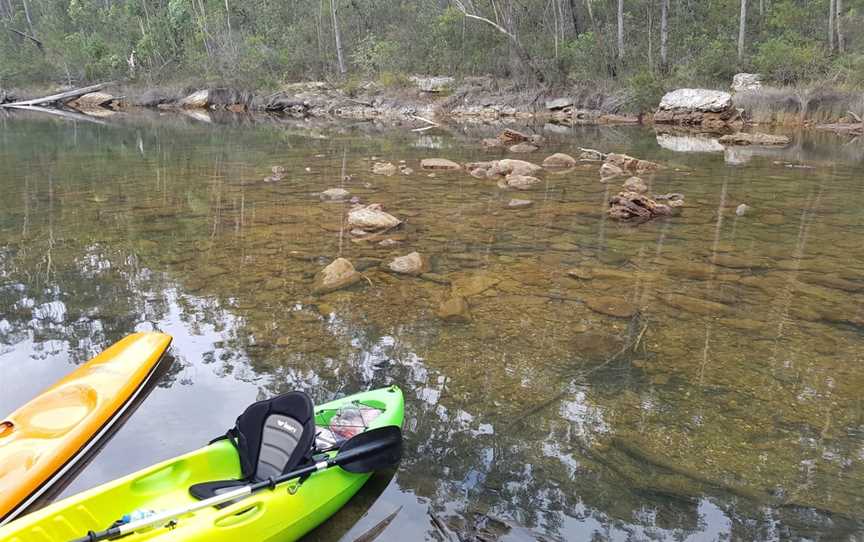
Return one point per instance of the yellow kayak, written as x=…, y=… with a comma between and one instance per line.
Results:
x=42, y=441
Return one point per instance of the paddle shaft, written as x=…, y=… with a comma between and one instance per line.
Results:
x=239, y=493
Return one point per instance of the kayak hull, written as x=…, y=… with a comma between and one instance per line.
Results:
x=45, y=441
x=283, y=514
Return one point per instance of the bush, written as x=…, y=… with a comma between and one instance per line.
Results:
x=787, y=62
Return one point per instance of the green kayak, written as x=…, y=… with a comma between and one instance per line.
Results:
x=270, y=438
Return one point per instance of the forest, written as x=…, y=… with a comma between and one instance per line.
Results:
x=261, y=44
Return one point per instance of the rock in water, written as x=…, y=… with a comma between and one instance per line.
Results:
x=635, y=184
x=591, y=155
x=559, y=160
x=521, y=182
x=371, y=217
x=522, y=148
x=746, y=81
x=628, y=163
x=384, y=168
x=196, y=100
x=335, y=194
x=610, y=171
x=505, y=167
x=455, y=309
x=411, y=264
x=611, y=306
x=339, y=274
x=638, y=207
x=439, y=163
x=519, y=203
x=742, y=209
x=742, y=138
x=558, y=103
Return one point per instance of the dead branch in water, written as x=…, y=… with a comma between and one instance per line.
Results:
x=70, y=115
x=59, y=98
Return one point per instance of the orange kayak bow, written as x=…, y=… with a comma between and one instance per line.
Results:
x=41, y=442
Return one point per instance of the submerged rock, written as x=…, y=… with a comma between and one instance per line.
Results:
x=591, y=155
x=610, y=171
x=521, y=182
x=523, y=148
x=439, y=163
x=519, y=203
x=744, y=138
x=611, y=306
x=371, y=218
x=629, y=163
x=742, y=209
x=334, y=194
x=339, y=274
x=454, y=309
x=697, y=306
x=384, y=168
x=635, y=184
x=503, y=168
x=411, y=264
x=559, y=160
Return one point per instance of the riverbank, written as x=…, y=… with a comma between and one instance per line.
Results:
x=427, y=101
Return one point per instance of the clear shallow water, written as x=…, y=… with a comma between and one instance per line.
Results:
x=726, y=407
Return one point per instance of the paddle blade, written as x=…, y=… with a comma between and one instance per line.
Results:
x=371, y=450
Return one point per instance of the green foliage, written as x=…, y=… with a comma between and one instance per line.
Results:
x=265, y=43
x=393, y=80
x=646, y=89
x=788, y=62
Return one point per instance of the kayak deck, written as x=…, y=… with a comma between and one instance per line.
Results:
x=41, y=441
x=283, y=514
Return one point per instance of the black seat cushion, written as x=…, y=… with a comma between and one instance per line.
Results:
x=272, y=437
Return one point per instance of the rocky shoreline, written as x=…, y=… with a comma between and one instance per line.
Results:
x=428, y=101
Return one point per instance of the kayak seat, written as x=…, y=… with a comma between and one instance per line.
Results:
x=272, y=437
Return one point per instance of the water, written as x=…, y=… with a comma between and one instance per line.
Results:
x=725, y=406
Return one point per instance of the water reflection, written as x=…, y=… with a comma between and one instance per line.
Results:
x=718, y=400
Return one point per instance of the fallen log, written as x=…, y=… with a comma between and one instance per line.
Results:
x=61, y=97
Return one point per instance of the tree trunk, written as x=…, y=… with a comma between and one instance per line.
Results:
x=574, y=15
x=620, y=30
x=338, y=37
x=664, y=36
x=841, y=39
x=742, y=29
x=30, y=21
x=650, y=33
x=831, y=14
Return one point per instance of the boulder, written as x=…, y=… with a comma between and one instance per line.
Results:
x=439, y=163
x=610, y=171
x=371, y=218
x=636, y=207
x=559, y=160
x=92, y=99
x=746, y=81
x=701, y=107
x=454, y=309
x=334, y=194
x=696, y=99
x=743, y=138
x=510, y=136
x=384, y=168
x=522, y=148
x=339, y=274
x=559, y=103
x=196, y=100
x=628, y=163
x=411, y=264
x=521, y=182
x=216, y=97
x=432, y=84
x=635, y=184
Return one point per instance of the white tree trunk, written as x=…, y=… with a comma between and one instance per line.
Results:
x=621, y=30
x=841, y=39
x=831, y=14
x=338, y=37
x=664, y=35
x=742, y=29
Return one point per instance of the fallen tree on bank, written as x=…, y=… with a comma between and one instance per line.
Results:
x=54, y=99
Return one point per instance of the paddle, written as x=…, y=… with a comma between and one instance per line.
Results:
x=368, y=451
